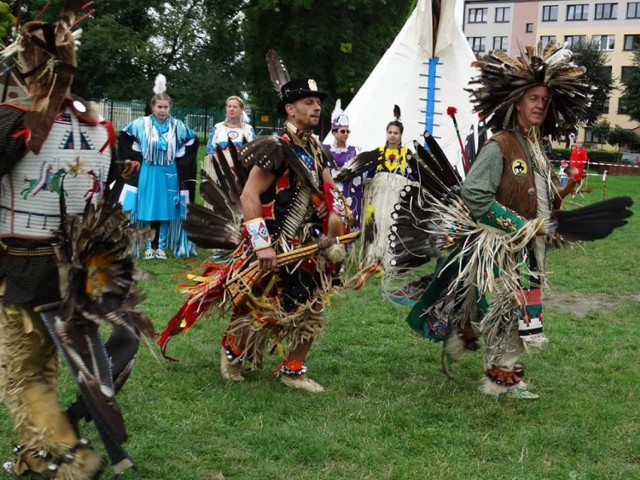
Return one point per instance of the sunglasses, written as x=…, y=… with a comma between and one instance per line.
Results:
x=344, y=131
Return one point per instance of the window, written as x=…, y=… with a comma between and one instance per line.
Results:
x=606, y=11
x=529, y=27
x=500, y=43
x=477, y=44
x=544, y=39
x=550, y=13
x=578, y=12
x=633, y=10
x=478, y=15
x=605, y=42
x=572, y=40
x=589, y=137
x=623, y=105
x=602, y=109
x=631, y=42
x=626, y=73
x=503, y=14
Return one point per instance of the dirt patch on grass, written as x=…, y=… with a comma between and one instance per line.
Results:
x=580, y=303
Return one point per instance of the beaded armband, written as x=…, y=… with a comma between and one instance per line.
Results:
x=257, y=233
x=502, y=218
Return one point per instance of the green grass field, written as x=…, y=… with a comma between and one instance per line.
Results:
x=388, y=412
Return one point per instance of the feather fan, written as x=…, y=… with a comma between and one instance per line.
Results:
x=97, y=252
x=220, y=225
x=593, y=222
x=364, y=162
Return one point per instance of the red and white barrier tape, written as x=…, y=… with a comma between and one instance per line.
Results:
x=626, y=165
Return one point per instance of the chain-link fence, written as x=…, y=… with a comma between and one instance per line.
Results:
x=201, y=120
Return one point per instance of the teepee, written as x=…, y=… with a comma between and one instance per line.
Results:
x=424, y=72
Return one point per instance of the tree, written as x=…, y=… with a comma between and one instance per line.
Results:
x=113, y=54
x=201, y=50
x=601, y=130
x=631, y=83
x=7, y=20
x=126, y=43
x=589, y=55
x=620, y=136
x=336, y=42
x=194, y=43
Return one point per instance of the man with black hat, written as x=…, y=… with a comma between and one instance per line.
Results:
x=282, y=210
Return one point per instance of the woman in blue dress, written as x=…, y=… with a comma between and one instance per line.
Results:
x=161, y=142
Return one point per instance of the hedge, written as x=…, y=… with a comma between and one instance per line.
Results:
x=603, y=156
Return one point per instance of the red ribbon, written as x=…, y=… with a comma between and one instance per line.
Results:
x=111, y=139
x=25, y=132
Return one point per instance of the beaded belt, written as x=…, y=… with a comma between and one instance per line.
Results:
x=30, y=252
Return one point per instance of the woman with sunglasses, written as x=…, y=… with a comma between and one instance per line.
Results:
x=343, y=154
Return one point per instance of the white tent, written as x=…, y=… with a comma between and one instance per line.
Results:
x=424, y=72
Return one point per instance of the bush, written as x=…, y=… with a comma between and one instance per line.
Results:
x=602, y=156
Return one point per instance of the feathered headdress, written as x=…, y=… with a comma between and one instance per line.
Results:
x=339, y=119
x=503, y=80
x=47, y=56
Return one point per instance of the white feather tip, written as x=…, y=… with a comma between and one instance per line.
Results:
x=337, y=110
x=160, y=85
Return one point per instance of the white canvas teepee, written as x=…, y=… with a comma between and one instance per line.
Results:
x=424, y=72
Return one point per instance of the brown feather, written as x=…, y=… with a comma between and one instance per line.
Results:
x=277, y=70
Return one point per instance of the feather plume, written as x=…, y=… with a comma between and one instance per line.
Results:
x=337, y=110
x=160, y=85
x=396, y=112
x=277, y=71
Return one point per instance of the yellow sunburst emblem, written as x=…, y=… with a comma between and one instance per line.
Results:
x=519, y=167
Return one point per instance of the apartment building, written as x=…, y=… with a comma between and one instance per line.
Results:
x=615, y=26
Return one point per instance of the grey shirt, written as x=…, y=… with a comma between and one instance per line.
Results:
x=481, y=184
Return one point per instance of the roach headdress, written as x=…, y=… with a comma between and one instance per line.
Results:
x=503, y=80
